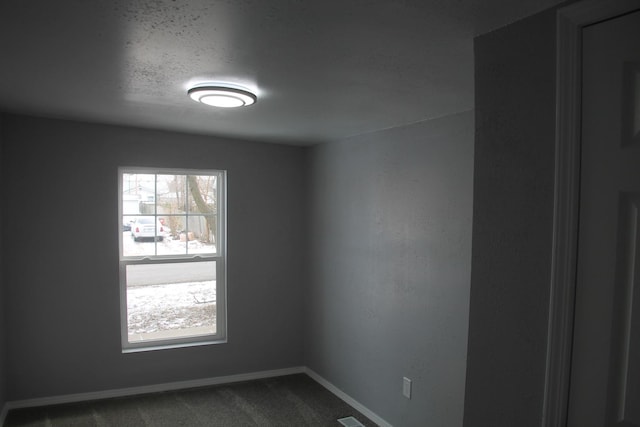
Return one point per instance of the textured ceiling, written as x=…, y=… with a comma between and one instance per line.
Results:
x=323, y=70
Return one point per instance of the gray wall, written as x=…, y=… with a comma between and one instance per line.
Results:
x=512, y=223
x=390, y=249
x=61, y=256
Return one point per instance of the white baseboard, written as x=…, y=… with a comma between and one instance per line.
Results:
x=348, y=399
x=132, y=391
x=179, y=385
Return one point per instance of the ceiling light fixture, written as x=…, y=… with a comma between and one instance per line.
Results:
x=222, y=95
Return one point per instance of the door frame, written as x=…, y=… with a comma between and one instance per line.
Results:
x=569, y=24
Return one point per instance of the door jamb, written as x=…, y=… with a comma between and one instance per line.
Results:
x=569, y=24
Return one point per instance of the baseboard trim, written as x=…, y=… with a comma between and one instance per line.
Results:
x=348, y=399
x=132, y=391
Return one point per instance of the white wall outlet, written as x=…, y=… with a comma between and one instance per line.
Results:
x=406, y=387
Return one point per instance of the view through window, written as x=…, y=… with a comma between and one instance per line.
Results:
x=172, y=247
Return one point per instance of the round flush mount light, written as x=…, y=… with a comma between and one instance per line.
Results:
x=222, y=95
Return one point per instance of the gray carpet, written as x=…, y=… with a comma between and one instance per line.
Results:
x=292, y=400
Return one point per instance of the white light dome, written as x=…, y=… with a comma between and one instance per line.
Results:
x=222, y=96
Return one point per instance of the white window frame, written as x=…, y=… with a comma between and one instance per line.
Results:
x=219, y=257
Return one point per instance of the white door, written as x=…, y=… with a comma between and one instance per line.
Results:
x=605, y=371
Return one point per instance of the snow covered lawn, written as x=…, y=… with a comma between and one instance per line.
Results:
x=153, y=308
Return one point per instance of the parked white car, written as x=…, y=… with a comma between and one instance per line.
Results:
x=147, y=227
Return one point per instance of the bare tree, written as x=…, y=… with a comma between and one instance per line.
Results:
x=203, y=207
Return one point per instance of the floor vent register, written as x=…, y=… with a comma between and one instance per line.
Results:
x=350, y=422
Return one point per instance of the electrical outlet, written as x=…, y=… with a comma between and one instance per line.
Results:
x=406, y=387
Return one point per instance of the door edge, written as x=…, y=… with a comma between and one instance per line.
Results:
x=569, y=23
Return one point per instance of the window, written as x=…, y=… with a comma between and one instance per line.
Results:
x=172, y=257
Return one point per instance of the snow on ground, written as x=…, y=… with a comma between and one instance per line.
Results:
x=154, y=308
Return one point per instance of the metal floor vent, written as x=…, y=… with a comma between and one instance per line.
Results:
x=350, y=422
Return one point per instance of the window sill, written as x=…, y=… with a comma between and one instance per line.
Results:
x=150, y=346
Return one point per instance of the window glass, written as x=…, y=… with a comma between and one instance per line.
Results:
x=170, y=300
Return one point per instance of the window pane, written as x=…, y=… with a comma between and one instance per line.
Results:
x=173, y=227
x=138, y=194
x=170, y=300
x=201, y=233
x=144, y=232
x=172, y=194
x=202, y=194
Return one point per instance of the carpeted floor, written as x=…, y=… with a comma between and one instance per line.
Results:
x=292, y=400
